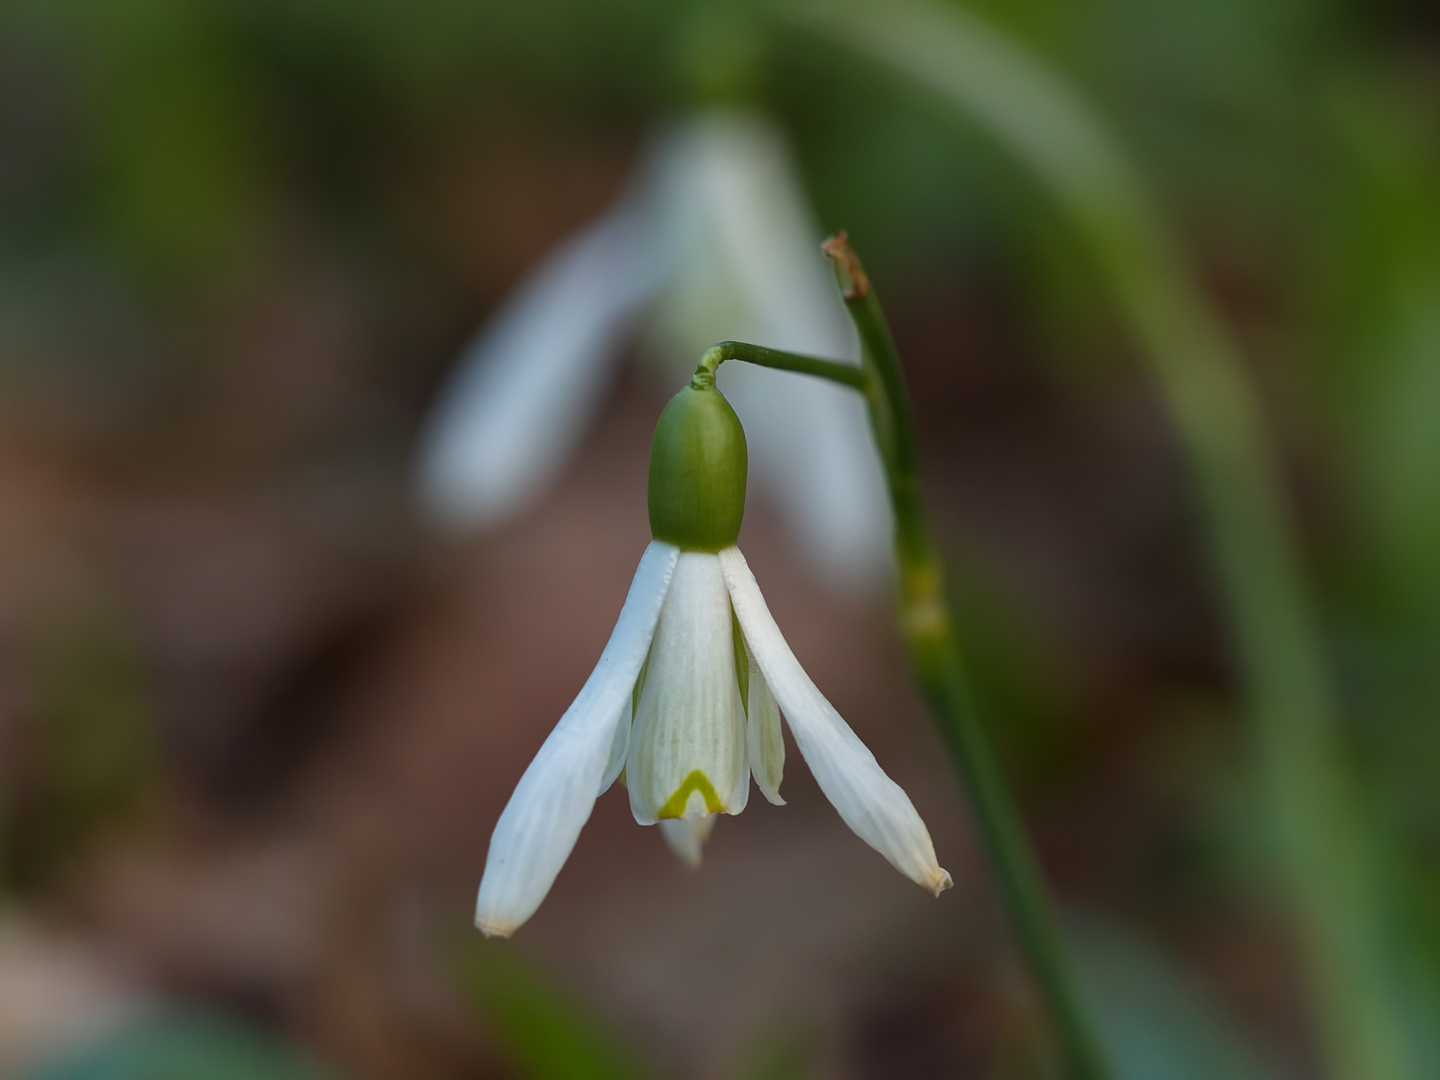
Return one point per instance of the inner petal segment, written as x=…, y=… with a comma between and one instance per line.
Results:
x=688, y=753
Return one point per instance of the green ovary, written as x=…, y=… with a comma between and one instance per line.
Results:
x=698, y=467
x=675, y=805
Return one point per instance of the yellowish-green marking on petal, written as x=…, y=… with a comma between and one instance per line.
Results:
x=640, y=679
x=675, y=805
x=742, y=662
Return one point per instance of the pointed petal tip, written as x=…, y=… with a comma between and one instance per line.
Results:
x=493, y=929
x=687, y=836
x=871, y=803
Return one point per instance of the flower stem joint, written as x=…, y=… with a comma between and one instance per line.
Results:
x=685, y=703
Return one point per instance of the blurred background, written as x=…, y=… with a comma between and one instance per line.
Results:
x=259, y=711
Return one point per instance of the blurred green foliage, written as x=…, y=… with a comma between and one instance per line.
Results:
x=544, y=1032
x=1154, y=1021
x=92, y=759
x=541, y=1031
x=178, y=1044
x=160, y=154
x=782, y=1050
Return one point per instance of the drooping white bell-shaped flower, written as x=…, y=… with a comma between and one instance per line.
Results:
x=687, y=697
x=711, y=240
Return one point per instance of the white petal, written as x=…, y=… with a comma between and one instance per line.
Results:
x=751, y=269
x=523, y=391
x=687, y=746
x=762, y=732
x=554, y=798
x=869, y=801
x=686, y=837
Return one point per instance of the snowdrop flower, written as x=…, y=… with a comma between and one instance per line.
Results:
x=712, y=240
x=686, y=700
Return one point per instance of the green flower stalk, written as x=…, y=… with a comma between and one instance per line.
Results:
x=933, y=649
x=1323, y=836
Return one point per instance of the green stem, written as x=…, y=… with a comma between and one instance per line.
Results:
x=845, y=374
x=935, y=656
x=934, y=651
x=1319, y=827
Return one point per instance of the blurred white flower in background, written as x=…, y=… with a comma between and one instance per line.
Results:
x=711, y=241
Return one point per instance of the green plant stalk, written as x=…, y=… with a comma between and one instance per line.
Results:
x=844, y=374
x=1319, y=830
x=934, y=651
